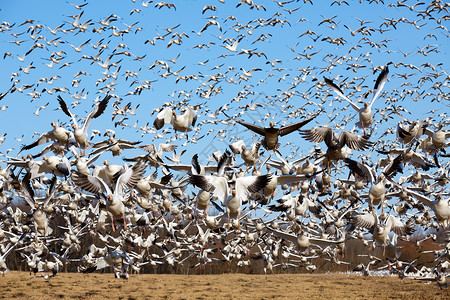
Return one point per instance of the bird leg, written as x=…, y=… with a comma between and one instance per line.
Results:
x=205, y=213
x=195, y=209
x=112, y=222
x=124, y=223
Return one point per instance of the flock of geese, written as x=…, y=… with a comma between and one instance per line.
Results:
x=247, y=200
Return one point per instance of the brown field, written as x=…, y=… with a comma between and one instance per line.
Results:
x=230, y=286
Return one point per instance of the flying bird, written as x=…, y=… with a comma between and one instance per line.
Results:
x=271, y=133
x=80, y=133
x=365, y=112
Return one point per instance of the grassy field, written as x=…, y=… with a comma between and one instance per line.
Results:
x=230, y=286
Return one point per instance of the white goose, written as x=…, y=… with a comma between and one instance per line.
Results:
x=380, y=233
x=3, y=267
x=128, y=178
x=303, y=241
x=39, y=215
x=218, y=186
x=440, y=205
x=182, y=122
x=80, y=133
x=59, y=134
x=365, y=112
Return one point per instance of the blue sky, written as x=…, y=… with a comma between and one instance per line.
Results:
x=262, y=87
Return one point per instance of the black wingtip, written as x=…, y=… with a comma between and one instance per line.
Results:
x=382, y=77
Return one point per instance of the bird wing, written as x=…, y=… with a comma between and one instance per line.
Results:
x=66, y=110
x=425, y=200
x=318, y=134
x=51, y=191
x=96, y=112
x=130, y=176
x=237, y=146
x=288, y=179
x=257, y=129
x=293, y=127
x=192, y=116
x=325, y=242
x=43, y=139
x=367, y=220
x=402, y=133
x=396, y=165
x=353, y=141
x=18, y=163
x=396, y=225
x=213, y=184
x=92, y=159
x=64, y=166
x=338, y=91
x=195, y=164
x=284, y=235
x=27, y=191
x=163, y=117
x=250, y=184
x=90, y=183
x=284, y=203
x=379, y=84
x=362, y=170
x=180, y=168
x=130, y=145
x=47, y=149
x=223, y=162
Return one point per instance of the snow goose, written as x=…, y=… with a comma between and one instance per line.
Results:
x=59, y=166
x=299, y=205
x=80, y=133
x=182, y=122
x=335, y=142
x=196, y=168
x=83, y=164
x=440, y=205
x=38, y=211
x=439, y=278
x=303, y=241
x=380, y=233
x=114, y=145
x=439, y=137
x=52, y=164
x=365, y=112
x=8, y=249
x=146, y=185
x=276, y=180
x=128, y=177
x=107, y=172
x=250, y=156
x=202, y=201
x=414, y=130
x=271, y=133
x=219, y=187
x=377, y=191
x=59, y=134
x=436, y=140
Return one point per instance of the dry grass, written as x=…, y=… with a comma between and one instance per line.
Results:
x=230, y=286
